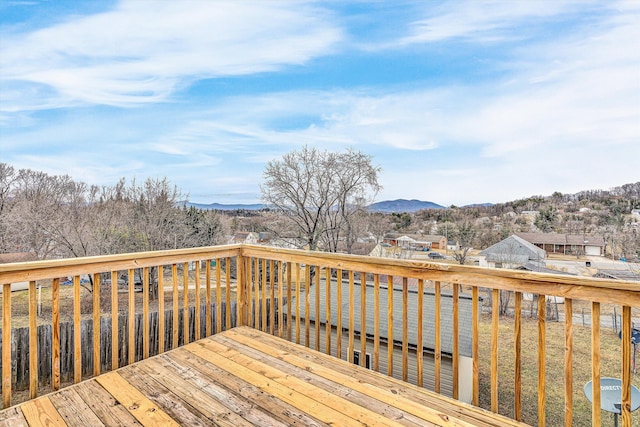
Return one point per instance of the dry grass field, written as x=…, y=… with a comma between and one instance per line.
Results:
x=610, y=346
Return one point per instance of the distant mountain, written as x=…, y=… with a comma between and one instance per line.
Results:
x=223, y=207
x=402, y=205
x=387, y=206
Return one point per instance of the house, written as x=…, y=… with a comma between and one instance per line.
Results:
x=464, y=337
x=512, y=252
x=245, y=237
x=566, y=244
x=18, y=257
x=416, y=241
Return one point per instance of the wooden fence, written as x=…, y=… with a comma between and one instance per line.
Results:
x=20, y=343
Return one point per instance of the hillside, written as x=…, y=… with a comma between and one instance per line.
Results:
x=402, y=205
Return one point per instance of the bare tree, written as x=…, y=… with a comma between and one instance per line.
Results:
x=8, y=177
x=320, y=192
x=465, y=234
x=37, y=201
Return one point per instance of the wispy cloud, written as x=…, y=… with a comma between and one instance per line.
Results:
x=142, y=51
x=486, y=21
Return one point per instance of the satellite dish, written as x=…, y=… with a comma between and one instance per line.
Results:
x=635, y=336
x=611, y=395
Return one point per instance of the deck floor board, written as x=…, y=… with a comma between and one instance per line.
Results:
x=244, y=377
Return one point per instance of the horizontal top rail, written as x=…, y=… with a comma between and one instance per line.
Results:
x=46, y=269
x=576, y=287
x=621, y=292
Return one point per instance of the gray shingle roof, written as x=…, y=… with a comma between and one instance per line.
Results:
x=428, y=321
x=514, y=249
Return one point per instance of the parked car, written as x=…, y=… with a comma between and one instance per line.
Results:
x=436, y=255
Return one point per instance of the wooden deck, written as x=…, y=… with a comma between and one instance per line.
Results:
x=244, y=377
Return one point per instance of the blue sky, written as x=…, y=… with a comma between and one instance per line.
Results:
x=459, y=102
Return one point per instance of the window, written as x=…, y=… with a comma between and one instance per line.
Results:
x=367, y=361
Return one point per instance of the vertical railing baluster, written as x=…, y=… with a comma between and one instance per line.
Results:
x=145, y=312
x=272, y=307
x=197, y=300
x=131, y=318
x=595, y=364
x=327, y=316
x=55, y=335
x=264, y=296
x=255, y=314
x=96, y=324
x=419, y=341
x=115, y=359
x=251, y=280
x=174, y=280
x=568, y=362
x=363, y=319
x=185, y=303
x=517, y=350
x=6, y=345
x=350, y=347
x=339, y=313
x=405, y=329
x=289, y=299
x=33, y=341
x=161, y=326
x=376, y=322
x=307, y=305
x=219, y=319
x=542, y=350
x=227, y=277
x=280, y=299
x=390, y=346
x=207, y=299
x=495, y=313
x=475, y=347
x=77, y=351
x=317, y=309
x=626, y=367
x=298, y=303
x=455, y=333
x=437, y=369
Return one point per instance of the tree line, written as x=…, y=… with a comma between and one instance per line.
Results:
x=55, y=216
x=315, y=200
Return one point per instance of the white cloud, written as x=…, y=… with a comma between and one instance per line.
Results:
x=142, y=51
x=483, y=21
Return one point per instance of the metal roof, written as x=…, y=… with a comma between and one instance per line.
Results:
x=514, y=249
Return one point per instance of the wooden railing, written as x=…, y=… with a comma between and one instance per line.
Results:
x=436, y=325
